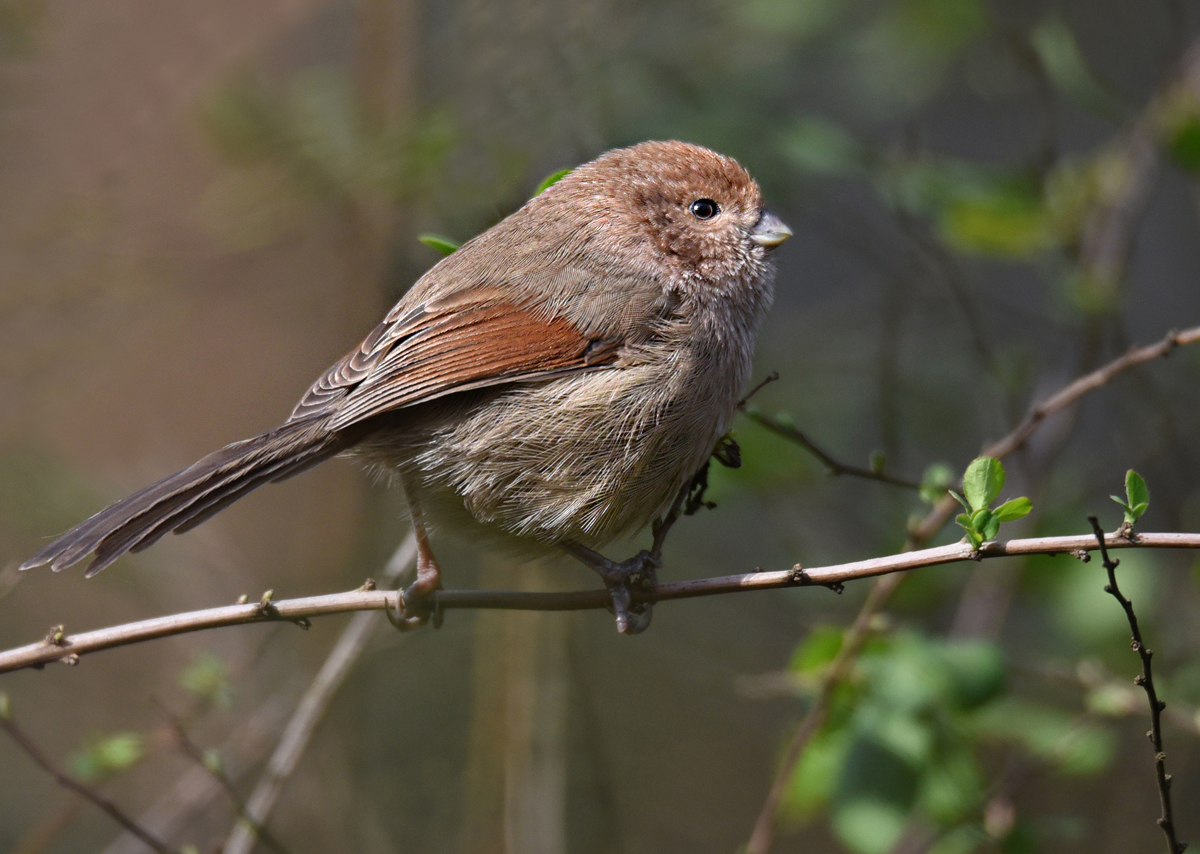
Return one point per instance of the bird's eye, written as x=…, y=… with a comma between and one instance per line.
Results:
x=704, y=209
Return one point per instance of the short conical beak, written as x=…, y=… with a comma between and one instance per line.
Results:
x=769, y=231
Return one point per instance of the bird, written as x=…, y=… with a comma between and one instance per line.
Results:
x=556, y=380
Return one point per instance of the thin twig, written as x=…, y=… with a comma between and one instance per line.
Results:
x=289, y=610
x=763, y=835
x=65, y=780
x=194, y=790
x=763, y=383
x=217, y=772
x=1166, y=821
x=299, y=730
x=835, y=467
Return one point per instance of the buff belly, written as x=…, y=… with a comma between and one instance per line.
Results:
x=586, y=458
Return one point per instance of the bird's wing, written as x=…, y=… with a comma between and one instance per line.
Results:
x=468, y=340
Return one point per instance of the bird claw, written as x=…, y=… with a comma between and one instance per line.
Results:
x=623, y=581
x=414, y=607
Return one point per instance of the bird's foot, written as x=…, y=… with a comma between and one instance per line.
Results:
x=625, y=581
x=416, y=604
x=414, y=608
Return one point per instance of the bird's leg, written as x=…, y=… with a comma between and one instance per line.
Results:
x=622, y=580
x=414, y=608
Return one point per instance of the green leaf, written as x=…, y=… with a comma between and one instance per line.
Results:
x=935, y=482
x=552, y=179
x=816, y=775
x=1013, y=509
x=1137, y=494
x=868, y=826
x=952, y=788
x=983, y=481
x=975, y=670
x=212, y=760
x=1074, y=746
x=1059, y=53
x=206, y=678
x=1010, y=222
x=1184, y=144
x=985, y=524
x=109, y=755
x=964, y=839
x=965, y=522
x=1115, y=700
x=817, y=649
x=822, y=148
x=439, y=244
x=877, y=462
x=960, y=500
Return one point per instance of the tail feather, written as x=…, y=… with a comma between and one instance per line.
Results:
x=193, y=509
x=188, y=497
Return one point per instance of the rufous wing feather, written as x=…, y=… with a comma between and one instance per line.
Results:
x=447, y=346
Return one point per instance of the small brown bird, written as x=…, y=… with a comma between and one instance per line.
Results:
x=561, y=377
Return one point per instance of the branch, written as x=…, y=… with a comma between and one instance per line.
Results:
x=763, y=835
x=299, y=730
x=214, y=766
x=1146, y=680
x=1104, y=249
x=792, y=433
x=835, y=467
x=70, y=647
x=65, y=780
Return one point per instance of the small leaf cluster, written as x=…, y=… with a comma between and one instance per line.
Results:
x=1137, y=497
x=982, y=483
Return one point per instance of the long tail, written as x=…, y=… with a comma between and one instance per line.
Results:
x=187, y=498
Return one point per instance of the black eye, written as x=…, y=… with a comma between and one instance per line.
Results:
x=704, y=208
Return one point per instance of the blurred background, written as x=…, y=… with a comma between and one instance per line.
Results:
x=202, y=205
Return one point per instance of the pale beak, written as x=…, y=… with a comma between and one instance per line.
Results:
x=769, y=231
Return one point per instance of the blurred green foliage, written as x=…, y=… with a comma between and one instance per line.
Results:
x=207, y=679
x=909, y=740
x=103, y=756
